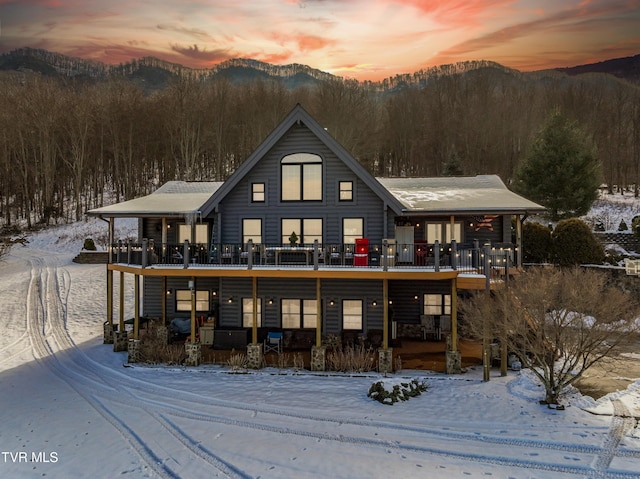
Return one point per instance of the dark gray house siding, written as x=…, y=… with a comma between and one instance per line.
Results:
x=238, y=205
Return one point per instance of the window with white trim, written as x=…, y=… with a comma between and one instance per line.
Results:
x=352, y=314
x=301, y=177
x=247, y=312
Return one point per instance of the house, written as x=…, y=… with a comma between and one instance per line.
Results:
x=302, y=239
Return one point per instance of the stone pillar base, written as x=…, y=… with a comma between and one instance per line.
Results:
x=385, y=360
x=254, y=356
x=107, y=337
x=120, y=341
x=133, y=349
x=453, y=362
x=162, y=333
x=194, y=353
x=318, y=358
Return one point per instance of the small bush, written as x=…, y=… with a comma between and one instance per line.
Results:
x=89, y=245
x=623, y=226
x=351, y=360
x=238, y=362
x=574, y=243
x=391, y=391
x=154, y=349
x=536, y=243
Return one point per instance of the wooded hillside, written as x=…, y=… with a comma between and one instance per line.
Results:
x=63, y=143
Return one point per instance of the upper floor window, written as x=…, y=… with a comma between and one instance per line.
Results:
x=202, y=233
x=352, y=228
x=346, y=190
x=443, y=233
x=306, y=229
x=301, y=175
x=257, y=192
x=252, y=230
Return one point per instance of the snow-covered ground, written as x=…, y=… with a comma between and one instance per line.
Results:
x=71, y=407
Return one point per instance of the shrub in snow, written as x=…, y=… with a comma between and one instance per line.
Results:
x=392, y=390
x=89, y=245
x=623, y=226
x=536, y=242
x=574, y=243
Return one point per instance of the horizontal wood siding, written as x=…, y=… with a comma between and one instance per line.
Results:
x=405, y=307
x=237, y=205
x=153, y=292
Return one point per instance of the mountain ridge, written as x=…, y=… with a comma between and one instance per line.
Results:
x=147, y=70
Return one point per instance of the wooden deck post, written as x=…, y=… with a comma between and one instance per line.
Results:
x=136, y=312
x=454, y=315
x=110, y=296
x=319, y=313
x=121, y=322
x=254, y=326
x=385, y=314
x=192, y=287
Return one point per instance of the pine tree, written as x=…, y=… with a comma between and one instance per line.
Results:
x=561, y=170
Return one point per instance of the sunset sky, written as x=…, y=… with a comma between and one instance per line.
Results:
x=363, y=39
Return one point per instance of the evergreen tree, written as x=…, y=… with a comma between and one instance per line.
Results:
x=561, y=170
x=453, y=165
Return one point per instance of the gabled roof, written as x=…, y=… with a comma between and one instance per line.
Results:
x=458, y=195
x=300, y=115
x=173, y=199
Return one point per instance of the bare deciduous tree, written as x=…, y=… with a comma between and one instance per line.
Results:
x=559, y=322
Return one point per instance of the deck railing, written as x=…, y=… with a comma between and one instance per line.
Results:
x=384, y=254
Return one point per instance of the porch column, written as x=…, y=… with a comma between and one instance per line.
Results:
x=385, y=353
x=163, y=301
x=318, y=313
x=136, y=313
x=192, y=287
x=121, y=323
x=453, y=357
x=318, y=351
x=518, y=241
x=254, y=327
x=385, y=313
x=163, y=240
x=110, y=297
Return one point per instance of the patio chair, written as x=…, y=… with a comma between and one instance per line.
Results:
x=273, y=342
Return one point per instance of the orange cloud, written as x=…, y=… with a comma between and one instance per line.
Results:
x=457, y=12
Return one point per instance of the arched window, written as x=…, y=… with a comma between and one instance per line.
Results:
x=301, y=177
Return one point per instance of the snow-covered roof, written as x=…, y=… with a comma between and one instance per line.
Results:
x=469, y=194
x=174, y=198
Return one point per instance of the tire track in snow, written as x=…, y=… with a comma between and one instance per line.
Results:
x=47, y=297
x=621, y=422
